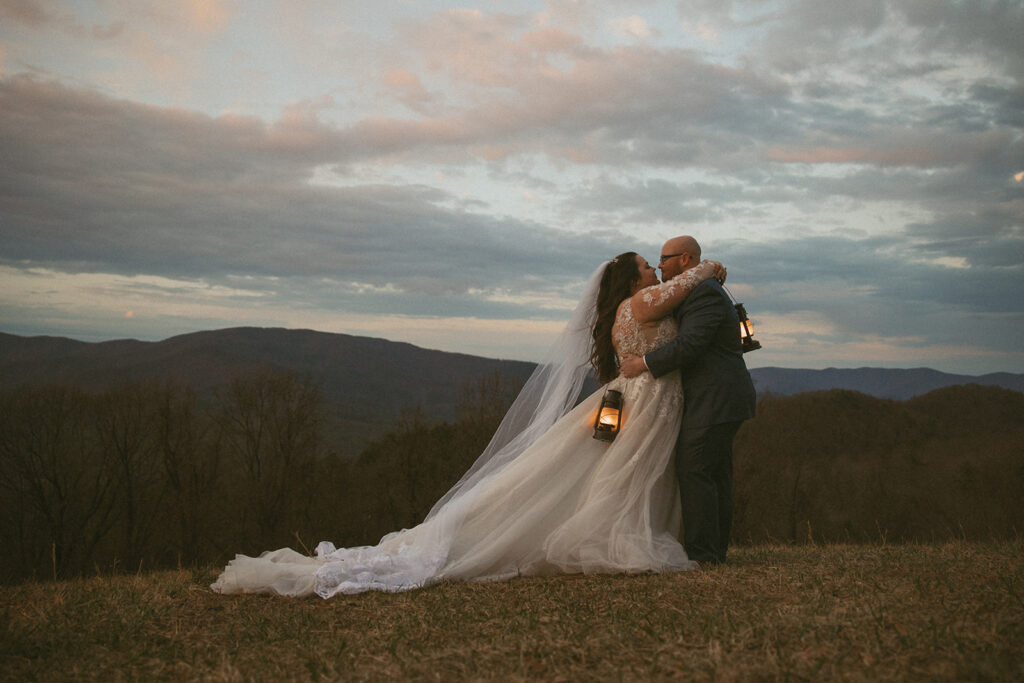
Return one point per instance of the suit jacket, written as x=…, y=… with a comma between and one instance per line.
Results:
x=707, y=350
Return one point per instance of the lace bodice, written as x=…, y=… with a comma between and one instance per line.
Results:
x=631, y=336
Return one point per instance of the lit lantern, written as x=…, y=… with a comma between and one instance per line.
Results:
x=609, y=417
x=746, y=330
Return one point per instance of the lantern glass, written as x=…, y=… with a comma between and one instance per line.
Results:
x=609, y=416
x=746, y=330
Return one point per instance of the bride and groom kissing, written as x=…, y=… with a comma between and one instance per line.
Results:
x=546, y=498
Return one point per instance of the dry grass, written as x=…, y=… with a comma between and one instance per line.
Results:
x=918, y=612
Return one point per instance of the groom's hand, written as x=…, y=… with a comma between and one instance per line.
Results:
x=632, y=366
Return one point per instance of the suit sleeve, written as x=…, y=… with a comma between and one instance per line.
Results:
x=702, y=314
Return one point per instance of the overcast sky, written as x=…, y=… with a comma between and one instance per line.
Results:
x=449, y=175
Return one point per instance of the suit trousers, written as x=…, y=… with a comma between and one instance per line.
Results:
x=704, y=468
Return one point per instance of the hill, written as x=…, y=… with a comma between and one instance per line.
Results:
x=367, y=382
x=947, y=611
x=894, y=383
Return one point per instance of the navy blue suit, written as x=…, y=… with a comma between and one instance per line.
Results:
x=718, y=395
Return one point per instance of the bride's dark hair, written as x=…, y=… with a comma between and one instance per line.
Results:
x=617, y=282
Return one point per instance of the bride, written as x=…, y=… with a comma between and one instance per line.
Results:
x=544, y=497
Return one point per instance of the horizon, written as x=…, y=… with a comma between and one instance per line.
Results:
x=449, y=176
x=425, y=348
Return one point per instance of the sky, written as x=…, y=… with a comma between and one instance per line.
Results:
x=450, y=174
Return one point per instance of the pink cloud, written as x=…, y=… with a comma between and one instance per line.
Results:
x=409, y=90
x=198, y=16
x=899, y=148
x=634, y=27
x=29, y=12
x=208, y=15
x=551, y=40
x=473, y=47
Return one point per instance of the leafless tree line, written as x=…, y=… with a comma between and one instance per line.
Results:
x=149, y=474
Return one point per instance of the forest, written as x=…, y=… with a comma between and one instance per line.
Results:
x=148, y=474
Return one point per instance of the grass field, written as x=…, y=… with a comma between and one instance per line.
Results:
x=897, y=612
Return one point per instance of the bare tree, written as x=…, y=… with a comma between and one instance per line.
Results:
x=270, y=429
x=124, y=424
x=57, y=483
x=191, y=462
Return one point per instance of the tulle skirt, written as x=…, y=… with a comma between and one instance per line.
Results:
x=568, y=504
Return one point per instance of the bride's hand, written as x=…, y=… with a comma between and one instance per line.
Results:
x=720, y=271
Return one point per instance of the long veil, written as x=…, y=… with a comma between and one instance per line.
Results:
x=549, y=393
x=416, y=557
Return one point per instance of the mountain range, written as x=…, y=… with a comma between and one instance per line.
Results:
x=370, y=381
x=894, y=383
x=365, y=382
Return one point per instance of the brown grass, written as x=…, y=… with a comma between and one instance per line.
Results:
x=917, y=612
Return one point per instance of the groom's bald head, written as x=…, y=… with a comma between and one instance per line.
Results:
x=683, y=244
x=677, y=255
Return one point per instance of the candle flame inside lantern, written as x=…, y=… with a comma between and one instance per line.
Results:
x=609, y=416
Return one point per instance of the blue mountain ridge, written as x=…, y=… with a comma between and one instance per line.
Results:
x=367, y=382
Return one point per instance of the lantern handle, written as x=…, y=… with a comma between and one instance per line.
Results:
x=749, y=343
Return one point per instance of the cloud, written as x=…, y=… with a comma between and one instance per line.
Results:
x=988, y=27
x=633, y=26
x=208, y=15
x=904, y=147
x=31, y=13
x=136, y=189
x=180, y=17
x=853, y=163
x=548, y=93
x=826, y=20
x=574, y=15
x=165, y=40
x=410, y=91
x=991, y=238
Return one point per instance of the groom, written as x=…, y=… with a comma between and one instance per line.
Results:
x=717, y=396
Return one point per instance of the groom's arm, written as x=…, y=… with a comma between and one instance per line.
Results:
x=702, y=315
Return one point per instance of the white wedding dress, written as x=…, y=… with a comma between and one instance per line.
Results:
x=567, y=503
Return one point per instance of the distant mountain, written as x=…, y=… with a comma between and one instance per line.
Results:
x=366, y=382
x=891, y=383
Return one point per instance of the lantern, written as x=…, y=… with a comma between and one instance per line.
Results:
x=746, y=330
x=609, y=416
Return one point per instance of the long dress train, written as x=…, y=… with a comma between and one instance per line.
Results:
x=567, y=504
